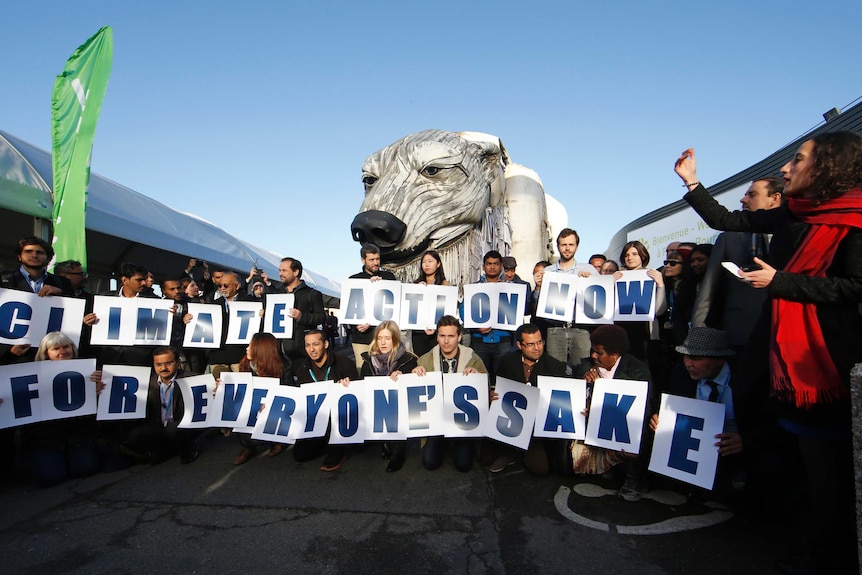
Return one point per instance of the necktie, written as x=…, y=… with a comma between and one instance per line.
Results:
x=449, y=365
x=713, y=391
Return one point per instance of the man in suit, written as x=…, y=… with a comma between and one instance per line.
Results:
x=727, y=303
x=159, y=436
x=526, y=365
x=228, y=356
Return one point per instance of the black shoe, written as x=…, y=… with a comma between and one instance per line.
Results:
x=385, y=451
x=396, y=463
x=190, y=457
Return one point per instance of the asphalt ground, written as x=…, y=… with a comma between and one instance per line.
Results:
x=273, y=515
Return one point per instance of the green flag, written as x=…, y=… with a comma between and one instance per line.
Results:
x=75, y=106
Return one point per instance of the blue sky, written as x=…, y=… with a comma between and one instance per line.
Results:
x=257, y=116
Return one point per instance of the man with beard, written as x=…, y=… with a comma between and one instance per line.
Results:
x=307, y=312
x=525, y=365
x=568, y=342
x=322, y=364
x=361, y=335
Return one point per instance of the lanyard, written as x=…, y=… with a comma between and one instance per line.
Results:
x=166, y=404
x=314, y=377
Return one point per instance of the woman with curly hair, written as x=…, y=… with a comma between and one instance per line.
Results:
x=814, y=280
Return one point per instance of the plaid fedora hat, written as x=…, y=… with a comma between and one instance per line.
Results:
x=705, y=342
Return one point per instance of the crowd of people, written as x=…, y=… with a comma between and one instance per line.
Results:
x=774, y=342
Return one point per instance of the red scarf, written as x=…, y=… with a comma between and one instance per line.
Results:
x=800, y=363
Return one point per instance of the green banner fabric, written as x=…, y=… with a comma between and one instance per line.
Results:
x=75, y=106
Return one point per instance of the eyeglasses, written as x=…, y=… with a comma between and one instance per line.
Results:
x=225, y=285
x=165, y=364
x=672, y=263
x=82, y=274
x=533, y=343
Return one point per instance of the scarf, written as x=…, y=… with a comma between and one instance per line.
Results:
x=801, y=366
x=384, y=363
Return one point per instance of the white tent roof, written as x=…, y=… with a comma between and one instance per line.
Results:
x=124, y=214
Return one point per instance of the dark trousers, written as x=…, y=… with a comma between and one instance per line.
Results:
x=491, y=354
x=51, y=466
x=160, y=442
x=463, y=452
x=829, y=534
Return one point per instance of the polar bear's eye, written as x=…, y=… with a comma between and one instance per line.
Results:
x=431, y=171
x=369, y=180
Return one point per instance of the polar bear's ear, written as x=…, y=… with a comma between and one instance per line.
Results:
x=493, y=158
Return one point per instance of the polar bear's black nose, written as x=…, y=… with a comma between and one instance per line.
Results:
x=379, y=228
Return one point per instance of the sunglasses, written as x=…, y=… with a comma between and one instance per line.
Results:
x=672, y=263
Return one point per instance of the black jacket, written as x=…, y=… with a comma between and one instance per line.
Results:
x=338, y=367
x=837, y=295
x=309, y=301
x=355, y=335
x=511, y=367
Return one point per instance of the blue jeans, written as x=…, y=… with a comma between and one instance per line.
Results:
x=491, y=354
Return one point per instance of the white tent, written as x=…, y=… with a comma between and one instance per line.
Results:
x=123, y=225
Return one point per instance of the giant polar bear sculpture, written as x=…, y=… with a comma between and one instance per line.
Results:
x=457, y=193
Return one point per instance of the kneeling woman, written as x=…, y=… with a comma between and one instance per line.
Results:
x=262, y=359
x=388, y=357
x=62, y=448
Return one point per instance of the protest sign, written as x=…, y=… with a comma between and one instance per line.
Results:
x=276, y=319
x=497, y=305
x=635, y=297
x=422, y=305
x=198, y=398
x=46, y=390
x=25, y=318
x=385, y=413
x=243, y=321
x=511, y=417
x=125, y=393
x=465, y=404
x=283, y=415
x=347, y=417
x=595, y=303
x=205, y=328
x=558, y=411
x=684, y=445
x=557, y=296
x=364, y=301
x=424, y=397
x=318, y=403
x=132, y=321
x=616, y=415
